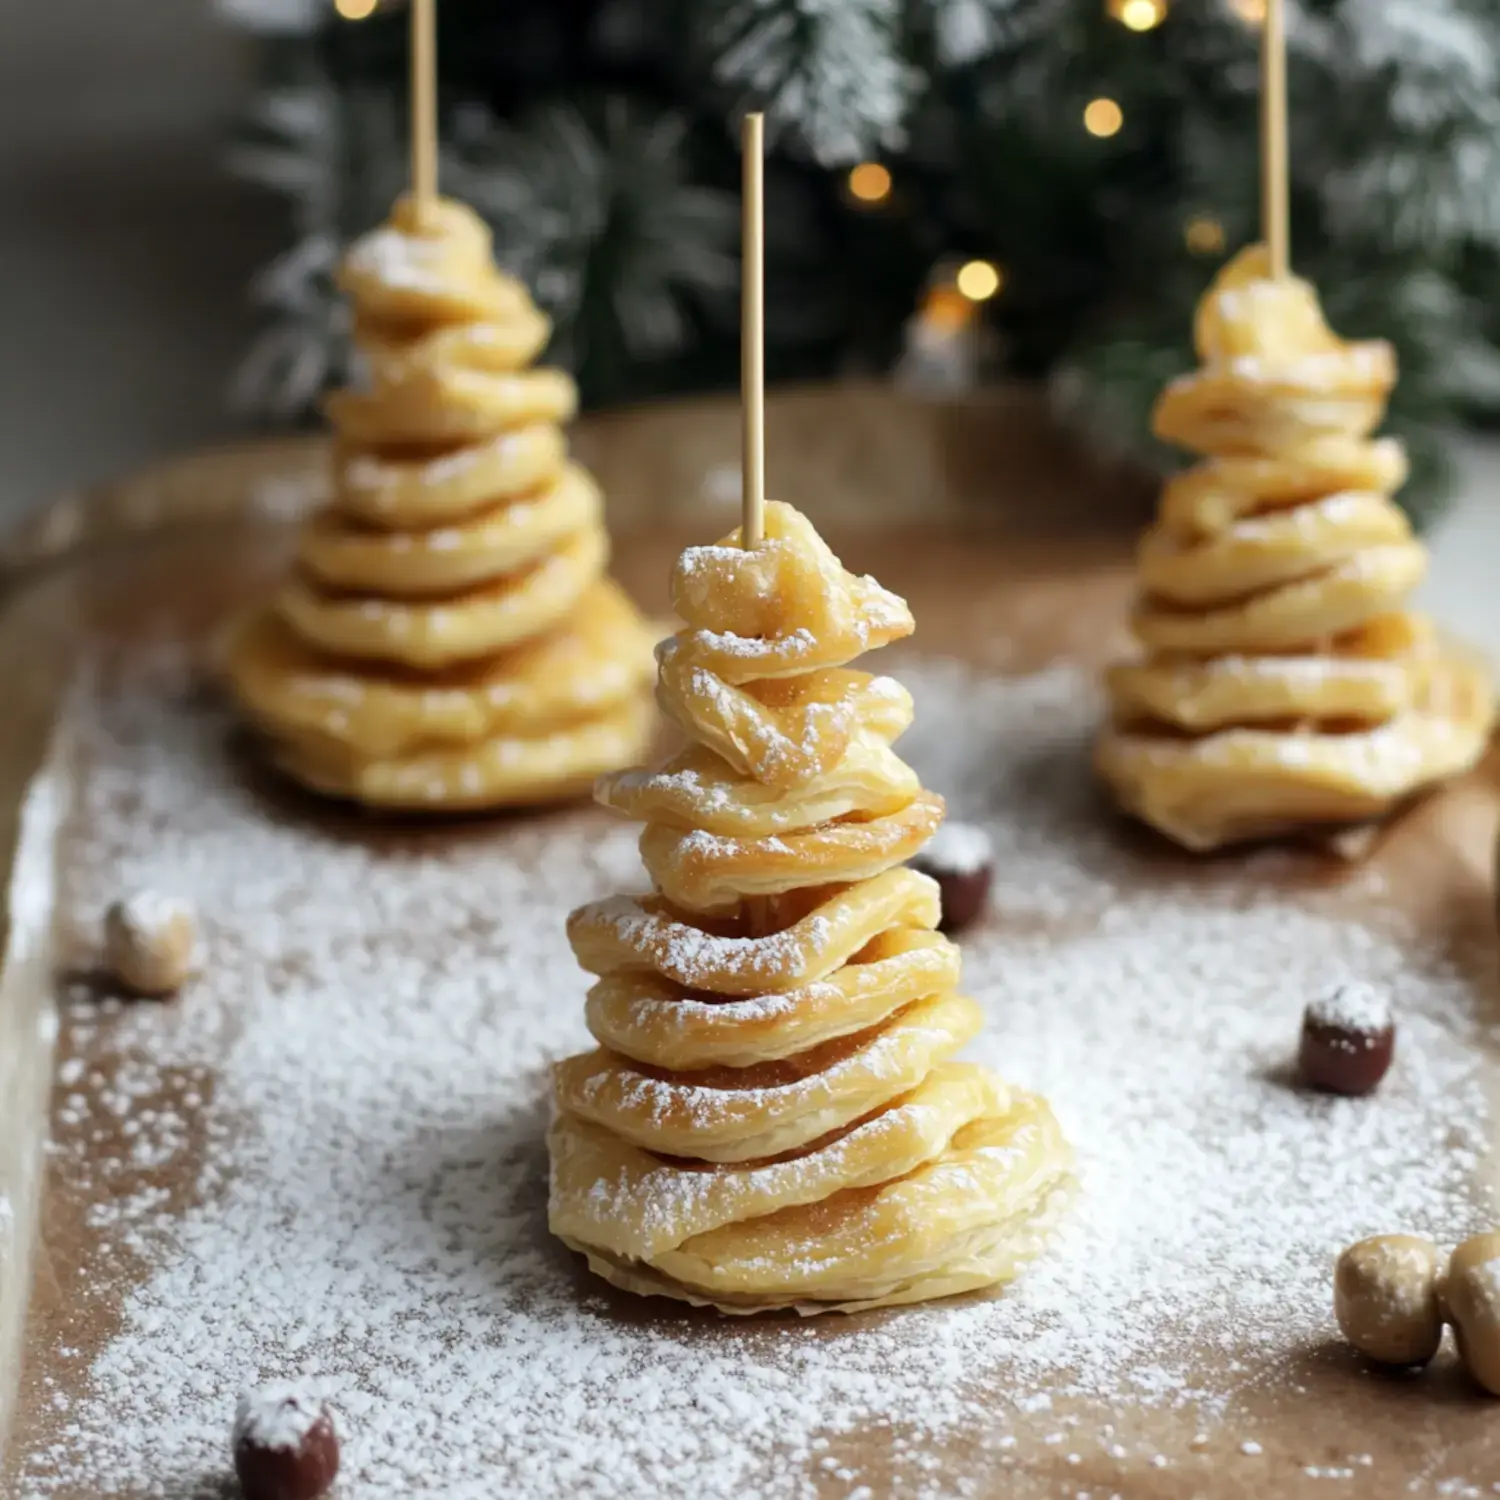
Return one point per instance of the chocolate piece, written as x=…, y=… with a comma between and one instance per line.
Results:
x=1348, y=1040
x=285, y=1445
x=960, y=858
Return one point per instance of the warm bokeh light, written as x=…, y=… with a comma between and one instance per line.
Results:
x=870, y=182
x=354, y=10
x=1251, y=12
x=1204, y=235
x=946, y=311
x=1142, y=15
x=978, y=280
x=1103, y=117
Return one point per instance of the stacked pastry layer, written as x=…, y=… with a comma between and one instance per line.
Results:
x=1285, y=684
x=449, y=638
x=772, y=1117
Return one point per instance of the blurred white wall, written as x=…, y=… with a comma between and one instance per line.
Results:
x=124, y=249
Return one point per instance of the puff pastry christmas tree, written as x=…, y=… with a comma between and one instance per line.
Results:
x=773, y=1117
x=448, y=638
x=1285, y=686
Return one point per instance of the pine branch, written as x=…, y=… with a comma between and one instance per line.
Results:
x=831, y=70
x=964, y=31
x=336, y=156
x=593, y=209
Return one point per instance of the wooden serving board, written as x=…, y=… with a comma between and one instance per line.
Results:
x=979, y=517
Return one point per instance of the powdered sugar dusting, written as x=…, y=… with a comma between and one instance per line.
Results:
x=147, y=913
x=1356, y=1007
x=400, y=260
x=692, y=956
x=958, y=848
x=366, y=1053
x=276, y=1416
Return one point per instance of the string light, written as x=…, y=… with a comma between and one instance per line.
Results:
x=870, y=182
x=354, y=10
x=1139, y=15
x=1204, y=235
x=1103, y=117
x=1251, y=12
x=979, y=280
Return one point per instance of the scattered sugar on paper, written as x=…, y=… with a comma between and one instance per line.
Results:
x=368, y=1046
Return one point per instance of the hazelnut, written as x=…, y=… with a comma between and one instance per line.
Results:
x=1348, y=1040
x=1388, y=1300
x=285, y=1445
x=150, y=943
x=960, y=858
x=1473, y=1296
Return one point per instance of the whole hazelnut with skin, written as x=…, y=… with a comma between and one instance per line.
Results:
x=285, y=1445
x=961, y=859
x=1348, y=1040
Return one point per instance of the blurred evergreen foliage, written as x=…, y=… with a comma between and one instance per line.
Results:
x=597, y=137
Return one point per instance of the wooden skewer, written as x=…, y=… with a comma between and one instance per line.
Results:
x=753, y=333
x=1275, y=212
x=757, y=912
x=424, y=152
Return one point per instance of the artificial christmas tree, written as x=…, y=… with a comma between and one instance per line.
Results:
x=1101, y=153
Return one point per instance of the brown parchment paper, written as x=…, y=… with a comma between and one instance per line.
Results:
x=1012, y=553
